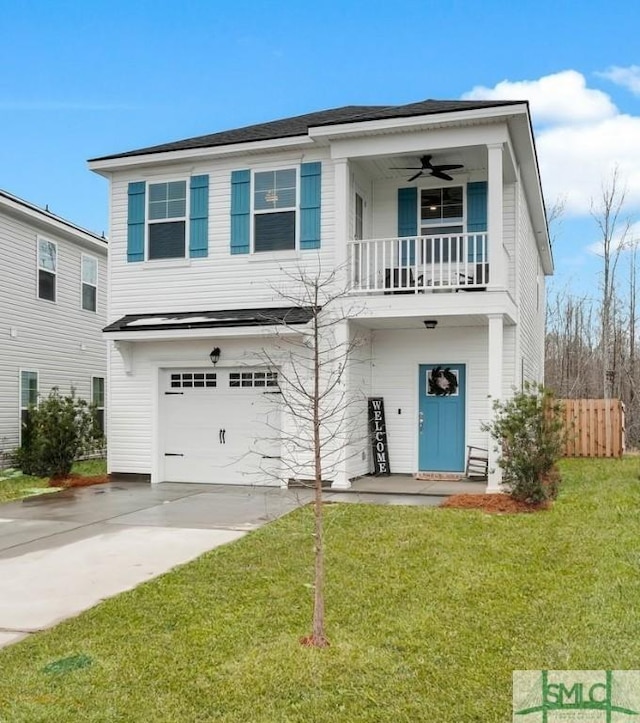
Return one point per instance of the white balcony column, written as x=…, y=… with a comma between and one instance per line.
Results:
x=496, y=353
x=342, y=419
x=341, y=218
x=497, y=269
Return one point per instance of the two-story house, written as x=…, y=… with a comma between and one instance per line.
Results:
x=432, y=213
x=53, y=308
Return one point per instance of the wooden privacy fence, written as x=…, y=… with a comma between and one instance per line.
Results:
x=594, y=427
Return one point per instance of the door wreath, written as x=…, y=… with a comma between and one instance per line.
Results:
x=442, y=382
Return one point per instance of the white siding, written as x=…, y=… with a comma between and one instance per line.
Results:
x=358, y=380
x=59, y=340
x=530, y=298
x=509, y=233
x=222, y=280
x=397, y=356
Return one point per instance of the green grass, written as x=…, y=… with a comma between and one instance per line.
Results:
x=15, y=488
x=428, y=612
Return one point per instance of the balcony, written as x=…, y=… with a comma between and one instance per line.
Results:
x=418, y=264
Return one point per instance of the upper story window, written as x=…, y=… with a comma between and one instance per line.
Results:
x=47, y=269
x=274, y=210
x=89, y=283
x=167, y=220
x=442, y=210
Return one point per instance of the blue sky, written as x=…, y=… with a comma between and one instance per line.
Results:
x=83, y=79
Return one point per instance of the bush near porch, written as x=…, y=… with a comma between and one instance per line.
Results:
x=428, y=611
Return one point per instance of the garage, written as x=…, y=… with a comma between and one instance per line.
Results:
x=219, y=426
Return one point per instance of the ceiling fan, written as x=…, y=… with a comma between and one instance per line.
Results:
x=429, y=169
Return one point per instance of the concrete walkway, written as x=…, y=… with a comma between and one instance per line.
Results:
x=62, y=553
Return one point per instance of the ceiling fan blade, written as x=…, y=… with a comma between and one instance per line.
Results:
x=448, y=166
x=408, y=168
x=413, y=178
x=438, y=174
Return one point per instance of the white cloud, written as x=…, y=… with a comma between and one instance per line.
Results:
x=576, y=160
x=559, y=98
x=580, y=137
x=628, y=78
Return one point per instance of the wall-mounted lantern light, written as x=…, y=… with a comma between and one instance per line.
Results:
x=215, y=355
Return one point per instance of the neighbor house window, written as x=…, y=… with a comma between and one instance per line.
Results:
x=89, y=283
x=274, y=210
x=167, y=220
x=97, y=399
x=47, y=269
x=28, y=397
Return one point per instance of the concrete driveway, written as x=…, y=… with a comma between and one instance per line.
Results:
x=62, y=553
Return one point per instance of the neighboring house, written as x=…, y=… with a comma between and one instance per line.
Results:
x=432, y=211
x=53, y=290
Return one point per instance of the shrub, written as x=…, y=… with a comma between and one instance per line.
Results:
x=529, y=432
x=58, y=430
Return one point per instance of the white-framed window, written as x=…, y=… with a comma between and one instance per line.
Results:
x=89, y=284
x=167, y=213
x=442, y=210
x=275, y=203
x=47, y=269
x=97, y=399
x=442, y=215
x=28, y=396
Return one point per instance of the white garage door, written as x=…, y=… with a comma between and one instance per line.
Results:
x=220, y=427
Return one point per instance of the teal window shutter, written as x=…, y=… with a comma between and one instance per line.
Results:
x=135, y=221
x=199, y=217
x=407, y=222
x=310, y=192
x=477, y=219
x=240, y=211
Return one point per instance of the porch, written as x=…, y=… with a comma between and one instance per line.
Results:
x=407, y=484
x=419, y=264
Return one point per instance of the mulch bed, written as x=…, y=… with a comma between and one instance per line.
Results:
x=78, y=480
x=497, y=504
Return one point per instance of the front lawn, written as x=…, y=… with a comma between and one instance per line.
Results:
x=13, y=488
x=429, y=611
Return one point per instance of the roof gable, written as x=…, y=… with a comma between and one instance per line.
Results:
x=300, y=125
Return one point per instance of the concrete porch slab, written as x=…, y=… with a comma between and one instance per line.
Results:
x=406, y=484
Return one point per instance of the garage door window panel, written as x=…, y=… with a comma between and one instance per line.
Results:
x=193, y=380
x=253, y=379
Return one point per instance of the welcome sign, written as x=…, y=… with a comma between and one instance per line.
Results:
x=378, y=431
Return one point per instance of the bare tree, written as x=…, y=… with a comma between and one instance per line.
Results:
x=313, y=363
x=613, y=231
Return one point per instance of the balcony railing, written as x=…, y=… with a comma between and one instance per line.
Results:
x=415, y=264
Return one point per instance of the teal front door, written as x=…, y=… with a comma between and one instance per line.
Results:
x=441, y=418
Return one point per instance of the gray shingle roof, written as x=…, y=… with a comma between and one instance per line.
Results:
x=299, y=125
x=212, y=319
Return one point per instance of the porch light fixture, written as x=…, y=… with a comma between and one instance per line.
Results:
x=215, y=355
x=430, y=323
